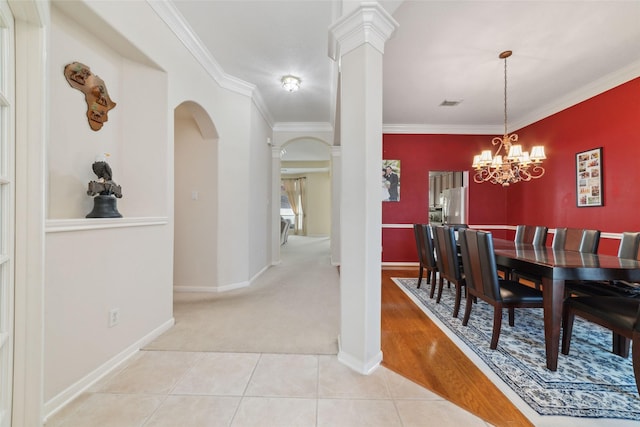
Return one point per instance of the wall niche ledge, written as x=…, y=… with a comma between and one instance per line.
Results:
x=65, y=225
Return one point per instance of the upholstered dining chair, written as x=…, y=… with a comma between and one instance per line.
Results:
x=568, y=239
x=576, y=239
x=629, y=248
x=426, y=255
x=619, y=314
x=483, y=282
x=532, y=234
x=450, y=267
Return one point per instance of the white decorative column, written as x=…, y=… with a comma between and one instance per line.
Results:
x=336, y=182
x=359, y=44
x=275, y=204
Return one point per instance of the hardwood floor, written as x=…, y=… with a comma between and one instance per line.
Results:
x=413, y=346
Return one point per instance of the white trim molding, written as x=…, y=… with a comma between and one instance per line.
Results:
x=63, y=225
x=168, y=12
x=370, y=23
x=62, y=399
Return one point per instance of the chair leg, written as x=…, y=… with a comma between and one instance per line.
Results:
x=620, y=345
x=420, y=276
x=512, y=316
x=497, y=324
x=433, y=285
x=467, y=309
x=635, y=357
x=456, y=306
x=567, y=329
x=440, y=286
x=428, y=276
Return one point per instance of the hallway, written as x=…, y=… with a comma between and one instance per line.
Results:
x=257, y=388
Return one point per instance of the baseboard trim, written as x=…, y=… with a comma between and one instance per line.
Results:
x=211, y=289
x=66, y=396
x=362, y=367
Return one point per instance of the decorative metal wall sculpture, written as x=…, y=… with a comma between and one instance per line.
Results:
x=95, y=92
x=104, y=189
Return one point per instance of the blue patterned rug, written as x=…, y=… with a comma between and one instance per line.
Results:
x=590, y=383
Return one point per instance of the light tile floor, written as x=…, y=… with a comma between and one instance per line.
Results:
x=199, y=389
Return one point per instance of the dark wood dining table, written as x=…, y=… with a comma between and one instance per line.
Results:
x=556, y=266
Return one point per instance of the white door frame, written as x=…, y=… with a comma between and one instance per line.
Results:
x=31, y=20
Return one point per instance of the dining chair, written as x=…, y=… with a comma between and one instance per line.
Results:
x=483, y=282
x=532, y=234
x=576, y=239
x=450, y=267
x=619, y=314
x=568, y=239
x=629, y=248
x=426, y=256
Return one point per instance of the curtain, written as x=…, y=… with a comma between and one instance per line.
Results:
x=294, y=187
x=303, y=212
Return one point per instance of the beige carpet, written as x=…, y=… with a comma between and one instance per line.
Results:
x=291, y=308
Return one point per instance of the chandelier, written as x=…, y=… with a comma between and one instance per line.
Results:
x=517, y=165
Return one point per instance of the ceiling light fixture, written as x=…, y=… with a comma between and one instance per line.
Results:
x=291, y=83
x=517, y=165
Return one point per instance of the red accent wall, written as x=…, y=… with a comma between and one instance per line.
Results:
x=610, y=120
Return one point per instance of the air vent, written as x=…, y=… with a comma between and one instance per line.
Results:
x=447, y=103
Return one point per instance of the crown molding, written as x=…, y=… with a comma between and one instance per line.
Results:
x=582, y=94
x=302, y=127
x=171, y=16
x=370, y=23
x=588, y=91
x=442, y=129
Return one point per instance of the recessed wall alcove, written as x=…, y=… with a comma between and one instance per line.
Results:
x=136, y=134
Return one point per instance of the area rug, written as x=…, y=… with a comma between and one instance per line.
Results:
x=592, y=386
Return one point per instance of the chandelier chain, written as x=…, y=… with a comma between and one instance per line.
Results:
x=511, y=163
x=505, y=96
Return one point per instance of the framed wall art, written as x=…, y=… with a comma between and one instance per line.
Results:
x=391, y=180
x=589, y=191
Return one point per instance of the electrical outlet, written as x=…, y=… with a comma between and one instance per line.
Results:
x=114, y=317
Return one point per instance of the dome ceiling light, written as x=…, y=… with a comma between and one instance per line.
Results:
x=291, y=83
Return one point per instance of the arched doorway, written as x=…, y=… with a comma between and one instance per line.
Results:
x=195, y=199
x=305, y=178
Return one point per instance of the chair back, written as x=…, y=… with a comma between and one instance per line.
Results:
x=629, y=245
x=576, y=239
x=559, y=238
x=440, y=249
x=418, y=233
x=481, y=273
x=424, y=245
x=589, y=242
x=457, y=227
x=428, y=244
x=467, y=260
x=446, y=242
x=535, y=235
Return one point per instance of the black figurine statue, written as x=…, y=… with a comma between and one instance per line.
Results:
x=104, y=189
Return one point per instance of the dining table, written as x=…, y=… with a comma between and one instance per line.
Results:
x=555, y=267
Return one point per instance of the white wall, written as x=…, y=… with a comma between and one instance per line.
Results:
x=260, y=218
x=87, y=274
x=94, y=265
x=195, y=244
x=134, y=135
x=318, y=204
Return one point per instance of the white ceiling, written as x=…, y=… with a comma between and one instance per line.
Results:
x=564, y=52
